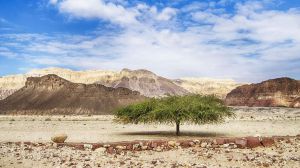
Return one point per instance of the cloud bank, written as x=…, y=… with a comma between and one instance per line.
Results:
x=251, y=42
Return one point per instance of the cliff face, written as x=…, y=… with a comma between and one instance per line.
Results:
x=208, y=86
x=51, y=94
x=274, y=92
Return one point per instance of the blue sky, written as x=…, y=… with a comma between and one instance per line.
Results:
x=244, y=40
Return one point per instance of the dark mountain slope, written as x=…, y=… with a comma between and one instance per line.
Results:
x=51, y=94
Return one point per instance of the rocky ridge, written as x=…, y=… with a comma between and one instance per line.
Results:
x=275, y=92
x=218, y=87
x=143, y=81
x=52, y=94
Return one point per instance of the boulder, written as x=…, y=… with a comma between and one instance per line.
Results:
x=241, y=142
x=59, y=138
x=219, y=141
x=171, y=143
x=253, y=142
x=100, y=151
x=267, y=142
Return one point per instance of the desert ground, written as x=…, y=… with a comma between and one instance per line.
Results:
x=248, y=122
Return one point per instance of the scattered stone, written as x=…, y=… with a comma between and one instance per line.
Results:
x=100, y=151
x=267, y=142
x=203, y=144
x=144, y=147
x=219, y=141
x=171, y=143
x=121, y=147
x=59, y=138
x=253, y=142
x=87, y=146
x=241, y=143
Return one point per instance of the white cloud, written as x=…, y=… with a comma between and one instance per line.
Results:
x=97, y=9
x=166, y=14
x=251, y=44
x=53, y=2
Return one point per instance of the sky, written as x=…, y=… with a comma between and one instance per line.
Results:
x=246, y=40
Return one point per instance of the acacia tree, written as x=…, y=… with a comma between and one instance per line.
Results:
x=195, y=109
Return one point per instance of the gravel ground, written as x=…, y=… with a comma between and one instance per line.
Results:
x=248, y=122
x=284, y=153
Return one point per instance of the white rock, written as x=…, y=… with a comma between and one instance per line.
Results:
x=59, y=138
x=100, y=151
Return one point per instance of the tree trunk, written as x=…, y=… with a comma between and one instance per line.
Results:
x=177, y=129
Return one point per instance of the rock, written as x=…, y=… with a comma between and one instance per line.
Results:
x=87, y=146
x=111, y=150
x=253, y=142
x=106, y=145
x=121, y=147
x=171, y=143
x=184, y=144
x=270, y=93
x=219, y=141
x=266, y=164
x=267, y=142
x=241, y=143
x=154, y=162
x=129, y=146
x=191, y=143
x=225, y=145
x=100, y=151
x=203, y=144
x=59, y=138
x=144, y=147
x=196, y=141
x=153, y=145
x=158, y=149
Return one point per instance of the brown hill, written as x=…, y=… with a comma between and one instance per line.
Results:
x=51, y=94
x=274, y=92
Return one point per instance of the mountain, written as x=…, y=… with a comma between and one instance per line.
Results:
x=52, y=94
x=274, y=92
x=5, y=93
x=143, y=81
x=218, y=87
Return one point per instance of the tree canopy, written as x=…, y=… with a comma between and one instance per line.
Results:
x=197, y=109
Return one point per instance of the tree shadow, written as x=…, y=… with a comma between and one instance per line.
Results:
x=173, y=134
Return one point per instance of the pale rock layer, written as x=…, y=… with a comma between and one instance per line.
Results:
x=143, y=81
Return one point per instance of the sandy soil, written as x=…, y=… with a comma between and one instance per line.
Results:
x=248, y=122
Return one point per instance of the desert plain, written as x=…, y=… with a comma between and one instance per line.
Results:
x=249, y=121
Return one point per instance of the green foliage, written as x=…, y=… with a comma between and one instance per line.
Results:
x=196, y=109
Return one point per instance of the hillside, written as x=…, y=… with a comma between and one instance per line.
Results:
x=143, y=81
x=275, y=92
x=51, y=94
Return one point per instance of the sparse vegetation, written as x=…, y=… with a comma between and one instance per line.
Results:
x=195, y=109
